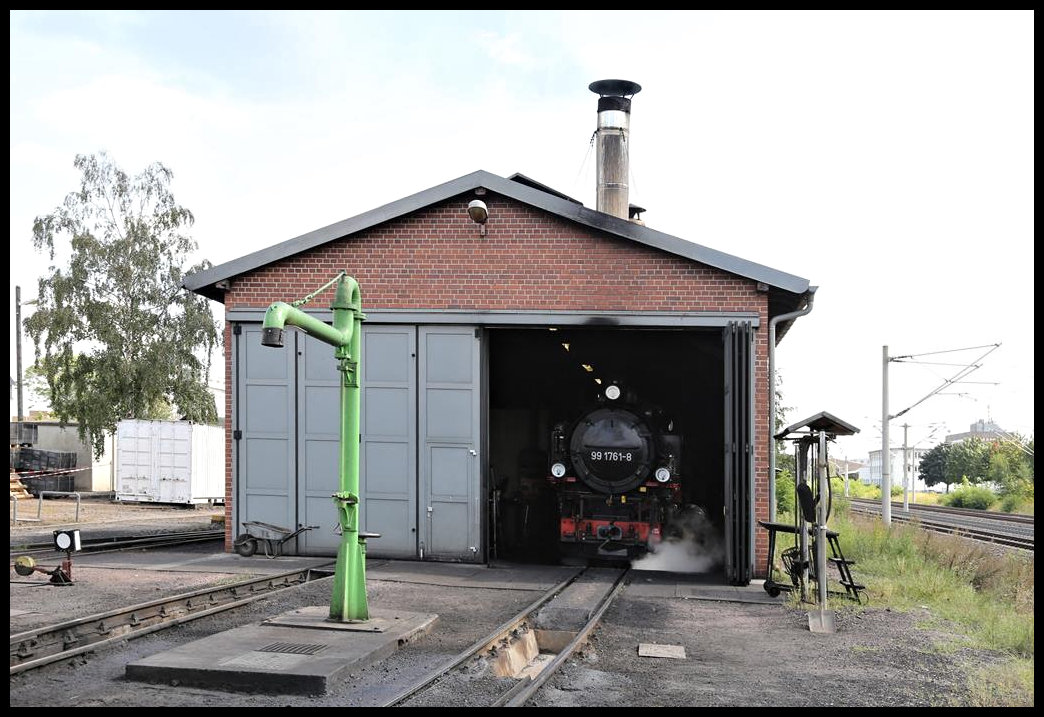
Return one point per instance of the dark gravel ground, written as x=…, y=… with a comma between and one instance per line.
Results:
x=735, y=654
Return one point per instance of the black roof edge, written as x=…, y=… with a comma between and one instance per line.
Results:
x=530, y=182
x=786, y=287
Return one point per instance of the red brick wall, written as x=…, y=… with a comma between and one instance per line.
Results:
x=528, y=260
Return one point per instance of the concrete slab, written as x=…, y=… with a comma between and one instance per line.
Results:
x=652, y=649
x=659, y=584
x=573, y=607
x=499, y=576
x=300, y=652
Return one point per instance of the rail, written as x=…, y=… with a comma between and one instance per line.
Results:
x=1000, y=534
x=132, y=542
x=45, y=645
x=949, y=510
x=506, y=638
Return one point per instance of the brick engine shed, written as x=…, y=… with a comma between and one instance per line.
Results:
x=478, y=339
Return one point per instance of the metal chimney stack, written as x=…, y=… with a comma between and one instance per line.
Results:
x=614, y=122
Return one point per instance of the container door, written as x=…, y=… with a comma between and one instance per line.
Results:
x=134, y=460
x=207, y=466
x=172, y=445
x=449, y=435
x=739, y=455
x=388, y=455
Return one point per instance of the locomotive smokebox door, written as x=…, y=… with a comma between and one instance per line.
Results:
x=612, y=450
x=619, y=486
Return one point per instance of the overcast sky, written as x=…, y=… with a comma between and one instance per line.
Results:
x=885, y=156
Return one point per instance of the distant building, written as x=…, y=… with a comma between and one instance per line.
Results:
x=217, y=388
x=847, y=468
x=90, y=474
x=871, y=475
x=986, y=430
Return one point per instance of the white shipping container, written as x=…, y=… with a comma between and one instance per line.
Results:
x=170, y=462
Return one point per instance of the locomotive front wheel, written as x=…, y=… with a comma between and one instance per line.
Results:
x=245, y=546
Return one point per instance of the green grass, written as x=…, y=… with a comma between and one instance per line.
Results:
x=989, y=598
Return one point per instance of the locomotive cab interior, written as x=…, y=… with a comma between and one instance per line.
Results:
x=547, y=394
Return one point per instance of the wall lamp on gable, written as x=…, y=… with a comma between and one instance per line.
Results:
x=479, y=214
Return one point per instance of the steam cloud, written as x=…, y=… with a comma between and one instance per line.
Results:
x=695, y=546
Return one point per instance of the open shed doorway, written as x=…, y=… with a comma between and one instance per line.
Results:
x=542, y=376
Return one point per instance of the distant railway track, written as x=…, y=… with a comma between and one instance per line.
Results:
x=946, y=510
x=1004, y=529
x=133, y=542
x=48, y=644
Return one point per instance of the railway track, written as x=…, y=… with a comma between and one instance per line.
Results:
x=519, y=655
x=946, y=510
x=518, y=652
x=49, y=644
x=1004, y=529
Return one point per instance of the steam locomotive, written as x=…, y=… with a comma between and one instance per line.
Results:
x=615, y=475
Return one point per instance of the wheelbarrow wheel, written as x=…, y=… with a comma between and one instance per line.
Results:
x=245, y=546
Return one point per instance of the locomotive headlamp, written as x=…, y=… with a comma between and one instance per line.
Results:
x=558, y=470
x=612, y=392
x=663, y=475
x=68, y=540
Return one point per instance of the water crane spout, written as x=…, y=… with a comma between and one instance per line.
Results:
x=272, y=336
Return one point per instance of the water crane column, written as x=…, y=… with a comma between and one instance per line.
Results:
x=348, y=602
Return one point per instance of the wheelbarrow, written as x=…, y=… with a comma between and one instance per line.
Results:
x=269, y=537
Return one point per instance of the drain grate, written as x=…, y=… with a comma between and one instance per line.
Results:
x=293, y=648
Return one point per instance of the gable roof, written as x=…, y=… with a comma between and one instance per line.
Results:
x=786, y=292
x=822, y=421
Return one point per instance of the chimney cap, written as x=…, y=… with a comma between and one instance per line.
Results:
x=615, y=88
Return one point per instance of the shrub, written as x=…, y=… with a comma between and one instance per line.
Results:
x=970, y=496
x=858, y=489
x=1016, y=504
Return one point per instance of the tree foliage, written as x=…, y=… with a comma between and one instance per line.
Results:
x=785, y=490
x=1011, y=468
x=784, y=459
x=932, y=467
x=969, y=459
x=35, y=384
x=120, y=337
x=1007, y=464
